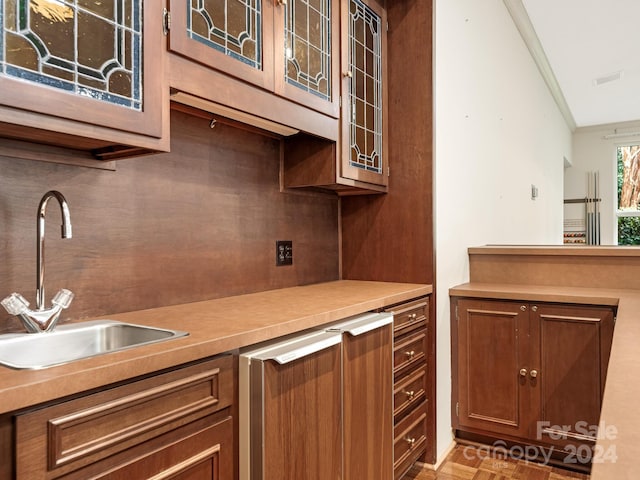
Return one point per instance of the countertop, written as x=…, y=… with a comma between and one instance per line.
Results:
x=618, y=448
x=214, y=326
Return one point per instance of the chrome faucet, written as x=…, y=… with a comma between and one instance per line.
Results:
x=42, y=319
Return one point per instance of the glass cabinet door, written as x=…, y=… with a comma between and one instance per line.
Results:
x=306, y=53
x=364, y=155
x=62, y=57
x=233, y=36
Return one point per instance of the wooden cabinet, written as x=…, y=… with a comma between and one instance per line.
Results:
x=85, y=77
x=178, y=424
x=289, y=48
x=358, y=162
x=366, y=404
x=533, y=372
x=411, y=383
x=363, y=150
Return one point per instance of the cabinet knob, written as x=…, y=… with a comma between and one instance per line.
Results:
x=282, y=2
x=534, y=308
x=410, y=394
x=523, y=372
x=523, y=307
x=348, y=73
x=533, y=373
x=410, y=354
x=410, y=441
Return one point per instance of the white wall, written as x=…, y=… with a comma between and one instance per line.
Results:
x=592, y=152
x=497, y=131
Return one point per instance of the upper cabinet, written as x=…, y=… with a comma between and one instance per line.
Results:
x=288, y=48
x=227, y=35
x=358, y=162
x=364, y=98
x=88, y=69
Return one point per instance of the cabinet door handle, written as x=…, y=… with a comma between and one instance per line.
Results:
x=348, y=73
x=523, y=372
x=282, y=2
x=534, y=308
x=523, y=307
x=410, y=354
x=533, y=373
x=410, y=441
x=410, y=394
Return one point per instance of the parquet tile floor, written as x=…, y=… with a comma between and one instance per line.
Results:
x=468, y=463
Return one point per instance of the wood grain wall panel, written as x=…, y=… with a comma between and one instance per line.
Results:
x=197, y=223
x=390, y=237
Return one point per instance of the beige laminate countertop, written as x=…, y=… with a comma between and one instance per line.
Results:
x=214, y=326
x=618, y=449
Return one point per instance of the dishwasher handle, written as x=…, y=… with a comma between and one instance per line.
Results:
x=363, y=323
x=301, y=348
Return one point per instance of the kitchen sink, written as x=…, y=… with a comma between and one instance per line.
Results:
x=76, y=341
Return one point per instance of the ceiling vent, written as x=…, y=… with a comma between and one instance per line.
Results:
x=612, y=77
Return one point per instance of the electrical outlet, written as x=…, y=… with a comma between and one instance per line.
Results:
x=284, y=252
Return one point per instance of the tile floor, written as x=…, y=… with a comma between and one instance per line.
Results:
x=468, y=463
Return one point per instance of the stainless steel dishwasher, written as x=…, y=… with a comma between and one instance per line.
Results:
x=318, y=406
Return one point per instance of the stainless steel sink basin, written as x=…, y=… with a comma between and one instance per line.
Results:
x=76, y=341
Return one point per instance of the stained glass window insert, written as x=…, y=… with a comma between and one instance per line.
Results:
x=365, y=87
x=233, y=27
x=88, y=47
x=307, y=46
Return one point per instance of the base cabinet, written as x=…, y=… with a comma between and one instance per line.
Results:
x=530, y=372
x=176, y=425
x=411, y=384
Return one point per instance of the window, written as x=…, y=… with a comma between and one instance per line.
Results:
x=628, y=204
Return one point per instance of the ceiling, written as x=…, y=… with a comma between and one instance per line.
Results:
x=592, y=50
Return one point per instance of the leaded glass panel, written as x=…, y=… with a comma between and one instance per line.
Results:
x=365, y=87
x=307, y=46
x=233, y=27
x=91, y=48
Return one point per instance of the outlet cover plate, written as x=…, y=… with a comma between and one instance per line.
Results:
x=284, y=252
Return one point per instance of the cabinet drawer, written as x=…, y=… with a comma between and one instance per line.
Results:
x=410, y=316
x=410, y=440
x=202, y=450
x=409, y=392
x=408, y=352
x=64, y=437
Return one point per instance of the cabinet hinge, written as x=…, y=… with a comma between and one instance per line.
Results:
x=340, y=101
x=457, y=317
x=457, y=409
x=387, y=26
x=166, y=21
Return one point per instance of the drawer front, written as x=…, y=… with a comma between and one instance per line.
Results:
x=72, y=434
x=410, y=316
x=409, y=392
x=410, y=440
x=202, y=450
x=409, y=352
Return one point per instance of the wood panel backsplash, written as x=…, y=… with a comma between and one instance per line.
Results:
x=197, y=223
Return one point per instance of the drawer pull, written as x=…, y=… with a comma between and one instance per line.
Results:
x=523, y=372
x=533, y=373
x=410, y=354
x=410, y=394
x=410, y=441
x=412, y=316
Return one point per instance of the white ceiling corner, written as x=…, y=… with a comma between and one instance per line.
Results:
x=577, y=42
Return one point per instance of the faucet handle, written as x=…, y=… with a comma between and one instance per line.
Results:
x=63, y=298
x=15, y=304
